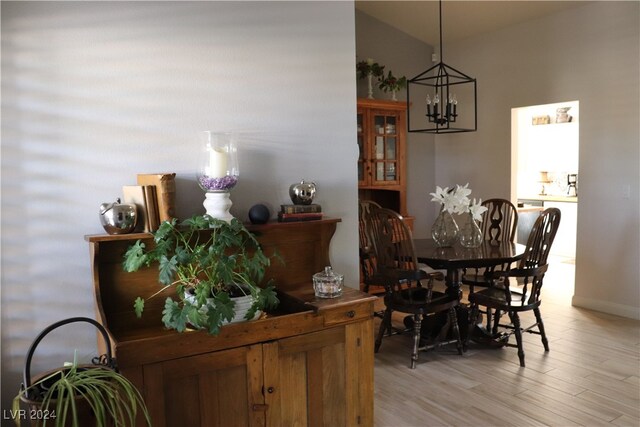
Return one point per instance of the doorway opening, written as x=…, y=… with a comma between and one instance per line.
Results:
x=545, y=144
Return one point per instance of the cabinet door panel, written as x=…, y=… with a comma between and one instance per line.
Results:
x=215, y=389
x=293, y=390
x=359, y=373
x=309, y=380
x=385, y=148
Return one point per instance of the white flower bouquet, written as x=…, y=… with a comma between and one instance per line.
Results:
x=456, y=200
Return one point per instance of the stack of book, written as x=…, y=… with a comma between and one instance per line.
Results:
x=294, y=213
x=154, y=197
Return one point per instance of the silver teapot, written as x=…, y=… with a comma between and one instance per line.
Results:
x=118, y=218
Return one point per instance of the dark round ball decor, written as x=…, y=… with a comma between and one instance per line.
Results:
x=259, y=214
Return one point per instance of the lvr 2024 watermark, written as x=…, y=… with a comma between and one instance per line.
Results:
x=28, y=414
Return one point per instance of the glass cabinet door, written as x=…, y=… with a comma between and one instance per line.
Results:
x=385, y=148
x=361, y=151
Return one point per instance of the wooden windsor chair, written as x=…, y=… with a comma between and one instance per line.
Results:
x=408, y=289
x=366, y=249
x=528, y=275
x=499, y=224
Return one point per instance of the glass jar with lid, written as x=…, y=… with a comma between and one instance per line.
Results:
x=327, y=283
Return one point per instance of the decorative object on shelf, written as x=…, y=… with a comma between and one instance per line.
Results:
x=562, y=116
x=144, y=198
x=312, y=208
x=79, y=395
x=218, y=172
x=302, y=193
x=470, y=234
x=296, y=217
x=327, y=283
x=259, y=214
x=295, y=213
x=435, y=87
x=540, y=120
x=543, y=179
x=118, y=218
x=572, y=181
x=369, y=69
x=392, y=84
x=211, y=258
x=165, y=192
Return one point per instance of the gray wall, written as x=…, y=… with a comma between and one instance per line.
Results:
x=93, y=93
x=589, y=54
x=405, y=56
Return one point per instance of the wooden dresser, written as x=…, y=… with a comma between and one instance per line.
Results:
x=308, y=363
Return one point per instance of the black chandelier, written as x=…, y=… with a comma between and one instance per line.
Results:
x=438, y=90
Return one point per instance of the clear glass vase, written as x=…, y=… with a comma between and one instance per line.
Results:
x=444, y=230
x=470, y=234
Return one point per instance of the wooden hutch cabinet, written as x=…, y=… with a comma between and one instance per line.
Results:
x=310, y=363
x=382, y=139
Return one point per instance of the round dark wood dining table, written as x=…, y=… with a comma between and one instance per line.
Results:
x=456, y=257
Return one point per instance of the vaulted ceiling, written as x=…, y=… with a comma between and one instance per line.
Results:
x=460, y=19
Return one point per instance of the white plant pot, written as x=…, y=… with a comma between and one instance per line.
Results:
x=241, y=307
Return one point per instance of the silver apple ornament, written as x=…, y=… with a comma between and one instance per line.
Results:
x=302, y=193
x=118, y=218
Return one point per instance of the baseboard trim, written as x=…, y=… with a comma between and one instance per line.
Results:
x=607, y=307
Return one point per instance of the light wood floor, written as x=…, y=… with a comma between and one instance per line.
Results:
x=590, y=376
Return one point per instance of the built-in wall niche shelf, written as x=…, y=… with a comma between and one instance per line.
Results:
x=555, y=124
x=562, y=116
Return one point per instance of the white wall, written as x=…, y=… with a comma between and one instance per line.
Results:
x=93, y=93
x=589, y=54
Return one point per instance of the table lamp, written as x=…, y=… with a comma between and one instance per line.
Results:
x=543, y=179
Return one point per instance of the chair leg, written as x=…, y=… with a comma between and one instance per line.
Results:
x=453, y=319
x=543, y=335
x=384, y=324
x=489, y=327
x=417, y=325
x=496, y=321
x=473, y=316
x=515, y=319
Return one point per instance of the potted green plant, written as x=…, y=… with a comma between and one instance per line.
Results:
x=208, y=261
x=369, y=69
x=79, y=395
x=391, y=83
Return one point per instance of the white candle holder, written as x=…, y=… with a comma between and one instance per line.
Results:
x=218, y=172
x=218, y=205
